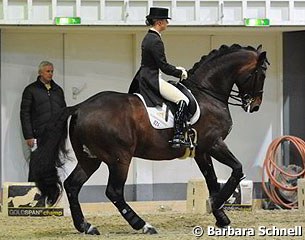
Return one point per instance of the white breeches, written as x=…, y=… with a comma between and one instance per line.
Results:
x=171, y=93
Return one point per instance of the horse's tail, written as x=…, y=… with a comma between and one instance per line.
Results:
x=50, y=154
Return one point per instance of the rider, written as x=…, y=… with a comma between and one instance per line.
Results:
x=148, y=80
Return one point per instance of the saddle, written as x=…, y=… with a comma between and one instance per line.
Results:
x=162, y=117
x=192, y=106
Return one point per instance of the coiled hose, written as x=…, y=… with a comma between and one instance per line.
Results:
x=272, y=170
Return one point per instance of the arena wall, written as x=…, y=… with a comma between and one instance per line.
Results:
x=96, y=59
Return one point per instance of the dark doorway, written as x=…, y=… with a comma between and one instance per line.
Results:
x=293, y=88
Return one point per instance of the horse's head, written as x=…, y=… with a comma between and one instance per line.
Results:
x=251, y=80
x=216, y=73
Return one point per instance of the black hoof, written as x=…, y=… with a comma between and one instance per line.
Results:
x=93, y=231
x=148, y=229
x=222, y=220
x=89, y=229
x=53, y=199
x=151, y=231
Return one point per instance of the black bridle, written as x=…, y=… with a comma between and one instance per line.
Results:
x=246, y=98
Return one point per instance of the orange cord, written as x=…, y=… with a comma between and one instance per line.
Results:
x=271, y=168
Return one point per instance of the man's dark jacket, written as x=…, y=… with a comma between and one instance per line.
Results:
x=146, y=81
x=37, y=106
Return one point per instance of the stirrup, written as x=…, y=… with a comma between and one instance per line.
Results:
x=179, y=141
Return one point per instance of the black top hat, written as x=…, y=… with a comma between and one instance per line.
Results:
x=158, y=13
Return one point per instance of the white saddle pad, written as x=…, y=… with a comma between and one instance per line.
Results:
x=158, y=118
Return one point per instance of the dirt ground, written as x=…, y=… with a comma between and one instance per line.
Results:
x=169, y=218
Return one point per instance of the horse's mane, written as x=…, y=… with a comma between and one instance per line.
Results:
x=223, y=50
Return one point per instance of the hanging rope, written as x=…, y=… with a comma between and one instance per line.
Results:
x=273, y=170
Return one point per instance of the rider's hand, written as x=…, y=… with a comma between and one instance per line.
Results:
x=183, y=74
x=30, y=142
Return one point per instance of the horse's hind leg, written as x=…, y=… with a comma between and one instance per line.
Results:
x=205, y=165
x=73, y=185
x=115, y=192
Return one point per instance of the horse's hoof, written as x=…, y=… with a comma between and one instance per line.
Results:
x=92, y=231
x=222, y=220
x=148, y=229
x=52, y=200
x=87, y=228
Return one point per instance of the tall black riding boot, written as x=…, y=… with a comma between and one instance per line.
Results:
x=180, y=122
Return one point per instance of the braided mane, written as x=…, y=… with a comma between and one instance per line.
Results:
x=223, y=50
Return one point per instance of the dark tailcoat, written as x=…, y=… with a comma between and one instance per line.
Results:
x=146, y=80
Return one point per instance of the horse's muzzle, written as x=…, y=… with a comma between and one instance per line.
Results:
x=255, y=104
x=251, y=104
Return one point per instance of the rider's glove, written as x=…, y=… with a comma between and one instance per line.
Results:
x=183, y=74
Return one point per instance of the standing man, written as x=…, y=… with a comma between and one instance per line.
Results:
x=40, y=100
x=148, y=81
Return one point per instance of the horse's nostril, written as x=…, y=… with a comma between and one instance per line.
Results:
x=255, y=109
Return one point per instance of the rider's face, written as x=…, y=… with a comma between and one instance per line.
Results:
x=163, y=24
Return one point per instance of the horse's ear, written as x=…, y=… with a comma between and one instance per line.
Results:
x=262, y=60
x=259, y=48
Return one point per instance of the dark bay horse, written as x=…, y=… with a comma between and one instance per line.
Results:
x=113, y=127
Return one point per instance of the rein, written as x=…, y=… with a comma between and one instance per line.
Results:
x=232, y=96
x=202, y=89
x=236, y=97
x=218, y=96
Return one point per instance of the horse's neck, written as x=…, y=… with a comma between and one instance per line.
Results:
x=218, y=87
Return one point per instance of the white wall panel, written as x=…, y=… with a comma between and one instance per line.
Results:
x=94, y=63
x=101, y=61
x=20, y=57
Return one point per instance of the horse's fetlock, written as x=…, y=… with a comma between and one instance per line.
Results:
x=129, y=215
x=81, y=227
x=238, y=175
x=238, y=172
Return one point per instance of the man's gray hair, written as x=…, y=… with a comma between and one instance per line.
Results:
x=43, y=64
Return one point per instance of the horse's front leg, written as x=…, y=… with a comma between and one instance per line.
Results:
x=206, y=167
x=73, y=186
x=221, y=153
x=115, y=192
